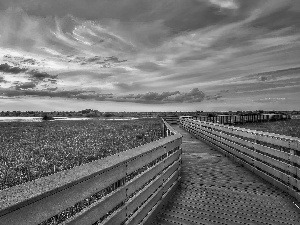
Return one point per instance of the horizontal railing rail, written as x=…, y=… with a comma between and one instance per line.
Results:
x=126, y=188
x=276, y=158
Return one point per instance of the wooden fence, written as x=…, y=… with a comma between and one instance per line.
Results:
x=275, y=158
x=247, y=118
x=126, y=188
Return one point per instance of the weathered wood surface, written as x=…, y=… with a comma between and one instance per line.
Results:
x=215, y=190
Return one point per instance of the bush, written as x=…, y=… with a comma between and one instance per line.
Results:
x=107, y=114
x=47, y=117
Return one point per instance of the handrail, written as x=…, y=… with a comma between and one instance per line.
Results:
x=276, y=158
x=169, y=130
x=125, y=188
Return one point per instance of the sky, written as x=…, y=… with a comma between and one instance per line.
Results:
x=149, y=55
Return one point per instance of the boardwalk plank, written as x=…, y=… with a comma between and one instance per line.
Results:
x=215, y=190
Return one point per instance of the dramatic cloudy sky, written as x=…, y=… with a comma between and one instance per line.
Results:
x=144, y=55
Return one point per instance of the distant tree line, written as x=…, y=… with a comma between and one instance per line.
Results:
x=96, y=113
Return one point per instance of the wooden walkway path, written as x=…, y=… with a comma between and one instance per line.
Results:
x=215, y=190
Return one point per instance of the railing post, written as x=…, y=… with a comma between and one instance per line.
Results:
x=292, y=169
x=126, y=191
x=164, y=162
x=255, y=142
x=165, y=130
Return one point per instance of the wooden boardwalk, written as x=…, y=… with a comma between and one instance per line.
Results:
x=215, y=190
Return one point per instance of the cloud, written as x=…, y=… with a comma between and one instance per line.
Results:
x=149, y=67
x=128, y=86
x=147, y=98
x=2, y=80
x=214, y=97
x=89, y=75
x=113, y=59
x=270, y=6
x=153, y=96
x=105, y=61
x=162, y=48
x=18, y=92
x=20, y=60
x=41, y=76
x=279, y=75
x=144, y=22
x=25, y=32
x=226, y=4
x=27, y=85
x=11, y=69
x=265, y=78
x=268, y=100
x=195, y=95
x=24, y=78
x=27, y=89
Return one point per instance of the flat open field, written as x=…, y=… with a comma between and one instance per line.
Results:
x=287, y=127
x=30, y=150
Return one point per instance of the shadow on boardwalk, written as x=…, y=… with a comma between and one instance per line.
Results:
x=215, y=190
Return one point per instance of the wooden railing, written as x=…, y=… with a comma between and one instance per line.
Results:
x=127, y=188
x=275, y=158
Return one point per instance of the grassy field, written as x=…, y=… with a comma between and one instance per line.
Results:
x=30, y=150
x=288, y=127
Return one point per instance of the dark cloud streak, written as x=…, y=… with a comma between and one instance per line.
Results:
x=2, y=80
x=11, y=69
x=25, y=86
x=40, y=76
x=195, y=95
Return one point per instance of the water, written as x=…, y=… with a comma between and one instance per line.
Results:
x=20, y=119
x=125, y=118
x=39, y=119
